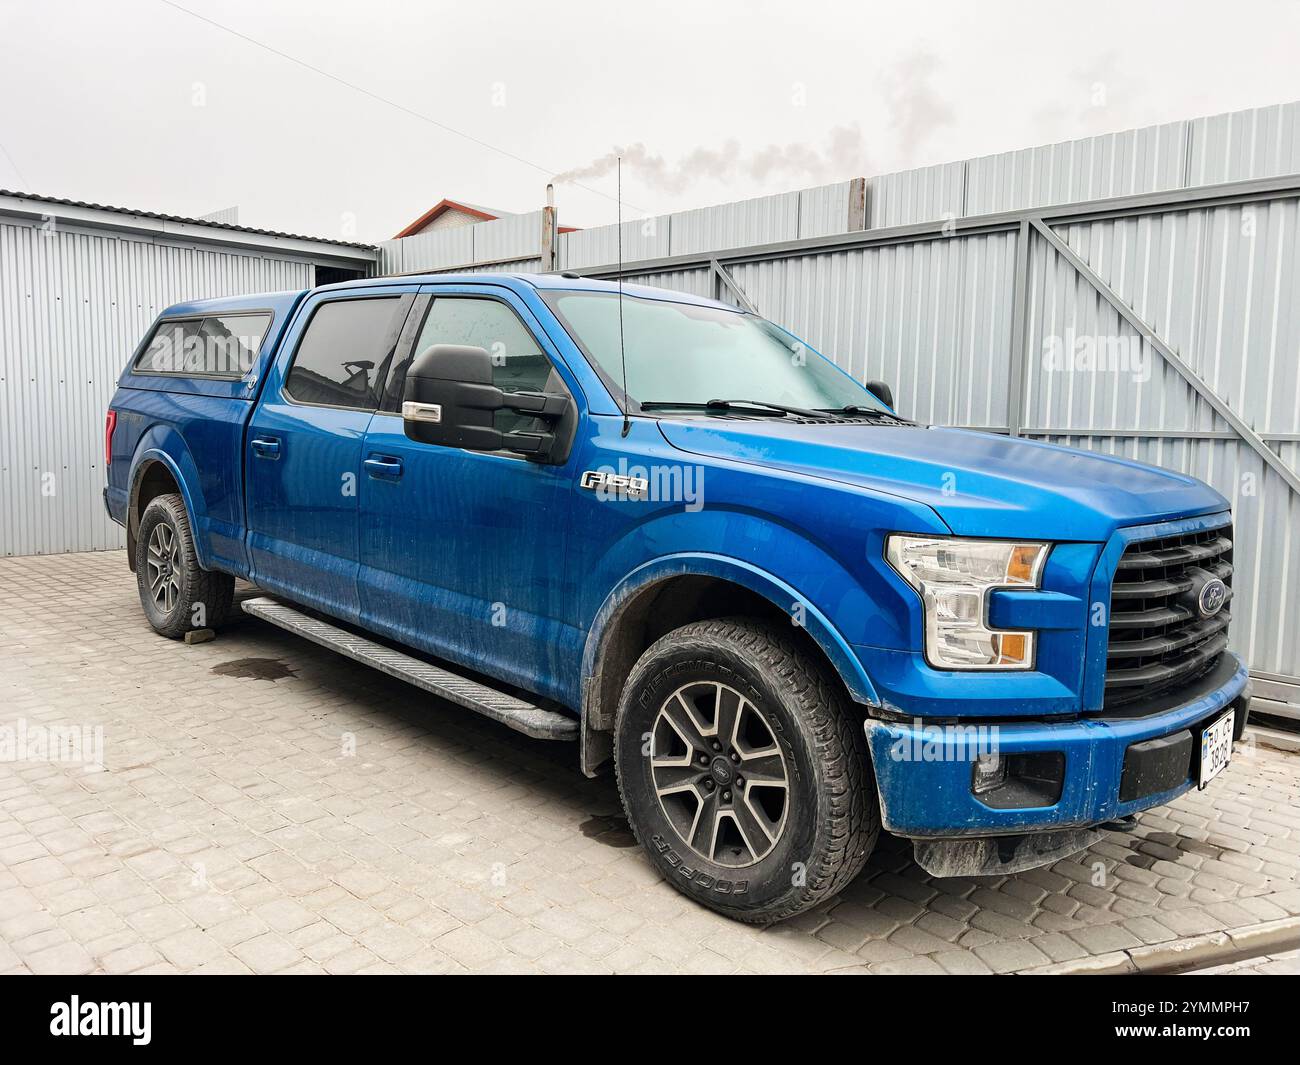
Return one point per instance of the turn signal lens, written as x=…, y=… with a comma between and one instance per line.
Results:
x=1024, y=562
x=953, y=578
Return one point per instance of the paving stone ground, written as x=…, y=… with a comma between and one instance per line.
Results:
x=1285, y=964
x=267, y=806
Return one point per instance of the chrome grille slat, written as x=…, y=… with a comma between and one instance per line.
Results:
x=1175, y=555
x=1165, y=586
x=1190, y=665
x=1158, y=643
x=1185, y=637
x=1156, y=589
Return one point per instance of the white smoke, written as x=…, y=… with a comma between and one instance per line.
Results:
x=915, y=113
x=843, y=155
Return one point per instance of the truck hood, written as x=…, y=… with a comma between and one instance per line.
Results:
x=980, y=484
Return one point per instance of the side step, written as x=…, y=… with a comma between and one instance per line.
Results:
x=535, y=721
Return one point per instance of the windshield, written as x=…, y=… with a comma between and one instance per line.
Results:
x=689, y=354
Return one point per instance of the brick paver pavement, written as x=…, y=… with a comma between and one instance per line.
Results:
x=267, y=806
x=1285, y=964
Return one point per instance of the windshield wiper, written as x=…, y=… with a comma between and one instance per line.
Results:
x=744, y=406
x=852, y=410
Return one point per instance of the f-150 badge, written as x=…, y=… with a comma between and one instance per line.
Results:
x=615, y=484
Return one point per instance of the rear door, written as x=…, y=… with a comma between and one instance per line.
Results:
x=303, y=445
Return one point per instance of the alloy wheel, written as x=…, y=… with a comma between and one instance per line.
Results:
x=164, y=567
x=719, y=774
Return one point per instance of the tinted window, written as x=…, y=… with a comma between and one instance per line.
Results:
x=166, y=350
x=342, y=352
x=231, y=342
x=518, y=362
x=224, y=345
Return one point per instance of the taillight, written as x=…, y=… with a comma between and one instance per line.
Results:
x=110, y=423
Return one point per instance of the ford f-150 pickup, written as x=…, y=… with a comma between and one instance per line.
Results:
x=672, y=532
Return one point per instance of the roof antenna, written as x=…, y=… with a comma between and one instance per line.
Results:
x=622, y=351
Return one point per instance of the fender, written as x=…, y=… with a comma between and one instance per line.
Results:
x=757, y=580
x=149, y=451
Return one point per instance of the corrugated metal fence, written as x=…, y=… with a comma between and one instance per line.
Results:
x=74, y=302
x=1097, y=293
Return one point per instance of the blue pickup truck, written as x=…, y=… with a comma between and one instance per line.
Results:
x=672, y=532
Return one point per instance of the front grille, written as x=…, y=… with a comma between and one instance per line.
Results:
x=1158, y=639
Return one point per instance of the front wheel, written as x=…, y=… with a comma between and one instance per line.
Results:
x=177, y=594
x=742, y=772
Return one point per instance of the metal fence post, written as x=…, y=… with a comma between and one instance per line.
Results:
x=1019, y=328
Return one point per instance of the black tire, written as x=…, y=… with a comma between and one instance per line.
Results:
x=829, y=819
x=170, y=580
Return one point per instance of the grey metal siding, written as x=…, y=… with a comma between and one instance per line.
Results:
x=1115, y=164
x=73, y=305
x=433, y=250
x=645, y=238
x=759, y=221
x=921, y=195
x=1262, y=142
x=931, y=317
x=514, y=238
x=695, y=282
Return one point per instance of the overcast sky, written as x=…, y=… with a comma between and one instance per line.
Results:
x=137, y=103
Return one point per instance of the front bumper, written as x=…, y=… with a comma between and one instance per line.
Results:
x=923, y=769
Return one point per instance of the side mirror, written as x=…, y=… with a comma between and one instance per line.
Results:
x=449, y=399
x=882, y=392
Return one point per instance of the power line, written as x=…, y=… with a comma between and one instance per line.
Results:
x=549, y=172
x=14, y=167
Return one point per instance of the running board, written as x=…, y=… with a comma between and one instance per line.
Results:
x=531, y=720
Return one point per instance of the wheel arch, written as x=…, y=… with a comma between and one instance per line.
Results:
x=156, y=473
x=672, y=591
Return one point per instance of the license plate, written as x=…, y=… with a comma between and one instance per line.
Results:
x=1216, y=747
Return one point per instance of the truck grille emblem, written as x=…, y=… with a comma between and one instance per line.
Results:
x=1214, y=593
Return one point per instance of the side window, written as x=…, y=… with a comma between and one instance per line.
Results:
x=340, y=356
x=232, y=342
x=167, y=347
x=518, y=362
x=224, y=345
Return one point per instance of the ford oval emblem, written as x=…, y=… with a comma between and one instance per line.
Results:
x=1214, y=593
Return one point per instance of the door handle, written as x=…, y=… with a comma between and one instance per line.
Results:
x=384, y=467
x=266, y=447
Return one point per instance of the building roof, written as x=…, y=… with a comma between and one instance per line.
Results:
x=83, y=205
x=484, y=214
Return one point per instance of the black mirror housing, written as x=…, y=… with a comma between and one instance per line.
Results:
x=882, y=392
x=449, y=399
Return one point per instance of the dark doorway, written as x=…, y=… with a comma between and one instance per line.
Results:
x=332, y=275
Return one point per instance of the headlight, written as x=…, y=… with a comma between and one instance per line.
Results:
x=953, y=578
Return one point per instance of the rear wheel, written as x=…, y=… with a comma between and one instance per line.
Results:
x=177, y=594
x=742, y=772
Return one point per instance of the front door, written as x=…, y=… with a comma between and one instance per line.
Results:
x=463, y=553
x=303, y=447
